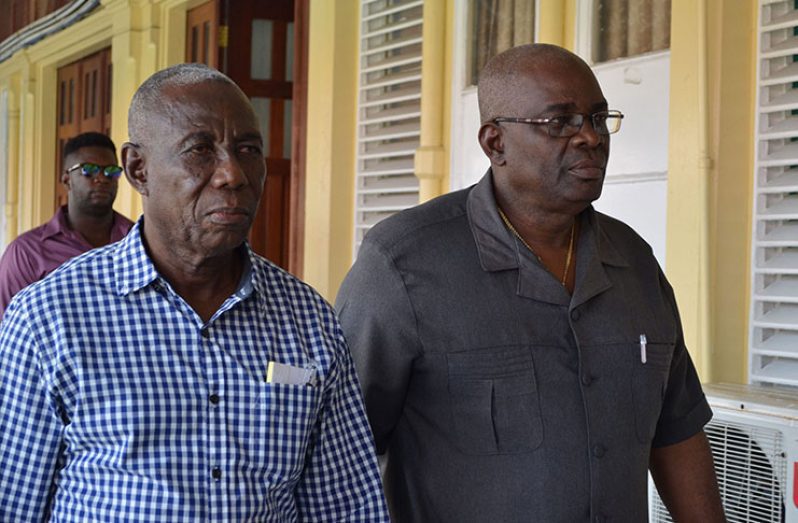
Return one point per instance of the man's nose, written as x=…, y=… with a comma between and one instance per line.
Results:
x=100, y=177
x=229, y=172
x=588, y=134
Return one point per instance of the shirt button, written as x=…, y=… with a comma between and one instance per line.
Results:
x=575, y=315
x=214, y=398
x=587, y=379
x=599, y=450
x=216, y=473
x=205, y=334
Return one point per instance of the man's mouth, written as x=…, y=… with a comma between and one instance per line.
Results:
x=229, y=216
x=588, y=170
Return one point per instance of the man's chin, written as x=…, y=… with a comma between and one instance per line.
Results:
x=99, y=208
x=224, y=239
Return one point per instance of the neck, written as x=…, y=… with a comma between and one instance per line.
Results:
x=96, y=229
x=203, y=282
x=557, y=257
x=539, y=228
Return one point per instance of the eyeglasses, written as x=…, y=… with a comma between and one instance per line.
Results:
x=565, y=125
x=88, y=170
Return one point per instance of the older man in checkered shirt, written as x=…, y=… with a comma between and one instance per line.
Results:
x=176, y=375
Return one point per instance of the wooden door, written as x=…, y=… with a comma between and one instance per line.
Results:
x=202, y=30
x=84, y=105
x=253, y=42
x=260, y=59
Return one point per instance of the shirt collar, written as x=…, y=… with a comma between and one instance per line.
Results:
x=497, y=245
x=498, y=250
x=134, y=269
x=58, y=224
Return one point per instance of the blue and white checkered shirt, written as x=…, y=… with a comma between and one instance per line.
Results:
x=119, y=404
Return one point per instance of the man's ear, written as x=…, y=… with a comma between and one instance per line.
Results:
x=135, y=164
x=491, y=140
x=65, y=180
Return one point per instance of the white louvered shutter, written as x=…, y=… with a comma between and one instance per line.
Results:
x=389, y=110
x=773, y=353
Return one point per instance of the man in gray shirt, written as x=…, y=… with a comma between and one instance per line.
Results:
x=521, y=355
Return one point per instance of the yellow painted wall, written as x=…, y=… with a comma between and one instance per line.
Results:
x=709, y=179
x=330, y=155
x=687, y=255
x=557, y=22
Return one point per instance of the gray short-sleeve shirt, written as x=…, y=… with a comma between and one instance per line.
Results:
x=496, y=395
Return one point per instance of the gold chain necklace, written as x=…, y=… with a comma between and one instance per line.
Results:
x=570, y=244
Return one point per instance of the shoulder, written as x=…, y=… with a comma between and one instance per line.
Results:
x=620, y=235
x=29, y=241
x=424, y=222
x=289, y=293
x=122, y=219
x=69, y=285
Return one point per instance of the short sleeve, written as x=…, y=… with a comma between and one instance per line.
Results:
x=685, y=409
x=380, y=326
x=16, y=273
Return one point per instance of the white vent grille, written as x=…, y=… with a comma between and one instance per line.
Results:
x=774, y=315
x=389, y=110
x=752, y=471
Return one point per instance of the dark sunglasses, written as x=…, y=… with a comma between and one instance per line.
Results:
x=90, y=169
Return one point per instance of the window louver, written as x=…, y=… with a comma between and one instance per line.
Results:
x=389, y=110
x=774, y=316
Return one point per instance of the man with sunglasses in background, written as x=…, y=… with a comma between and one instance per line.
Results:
x=91, y=176
x=520, y=353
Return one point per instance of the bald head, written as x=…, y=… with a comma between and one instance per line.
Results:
x=500, y=79
x=149, y=97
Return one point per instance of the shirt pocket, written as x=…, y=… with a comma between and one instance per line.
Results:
x=288, y=415
x=649, y=384
x=494, y=403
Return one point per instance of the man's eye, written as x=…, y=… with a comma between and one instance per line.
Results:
x=250, y=149
x=201, y=148
x=560, y=121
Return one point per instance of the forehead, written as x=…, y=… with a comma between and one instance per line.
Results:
x=214, y=106
x=92, y=154
x=557, y=85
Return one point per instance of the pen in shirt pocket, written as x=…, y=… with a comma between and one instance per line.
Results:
x=643, y=343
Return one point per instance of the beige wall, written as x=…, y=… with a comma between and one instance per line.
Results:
x=710, y=179
x=330, y=155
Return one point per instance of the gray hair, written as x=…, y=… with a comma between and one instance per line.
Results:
x=148, y=96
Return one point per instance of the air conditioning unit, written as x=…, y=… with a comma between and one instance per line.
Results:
x=754, y=439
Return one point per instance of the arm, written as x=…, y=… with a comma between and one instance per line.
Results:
x=379, y=322
x=685, y=478
x=16, y=273
x=31, y=435
x=341, y=481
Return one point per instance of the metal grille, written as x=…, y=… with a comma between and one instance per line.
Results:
x=752, y=469
x=389, y=110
